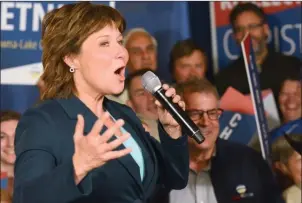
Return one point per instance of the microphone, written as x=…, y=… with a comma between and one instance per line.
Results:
x=153, y=85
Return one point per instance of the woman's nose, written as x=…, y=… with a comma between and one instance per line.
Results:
x=122, y=53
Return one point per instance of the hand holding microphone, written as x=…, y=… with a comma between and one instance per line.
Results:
x=169, y=123
x=171, y=109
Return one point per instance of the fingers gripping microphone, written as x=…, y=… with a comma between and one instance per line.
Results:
x=152, y=84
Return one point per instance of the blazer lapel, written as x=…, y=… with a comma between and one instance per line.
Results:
x=217, y=174
x=140, y=136
x=150, y=170
x=130, y=125
x=127, y=161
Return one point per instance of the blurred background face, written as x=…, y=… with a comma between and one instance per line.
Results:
x=249, y=21
x=8, y=129
x=209, y=128
x=188, y=67
x=141, y=101
x=290, y=100
x=142, y=52
x=294, y=167
x=101, y=63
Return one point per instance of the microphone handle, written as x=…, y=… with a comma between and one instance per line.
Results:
x=188, y=126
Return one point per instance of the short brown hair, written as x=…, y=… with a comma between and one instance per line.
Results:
x=131, y=76
x=246, y=7
x=184, y=48
x=9, y=115
x=197, y=85
x=63, y=32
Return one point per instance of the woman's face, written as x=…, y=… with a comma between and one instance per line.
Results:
x=290, y=100
x=100, y=66
x=7, y=141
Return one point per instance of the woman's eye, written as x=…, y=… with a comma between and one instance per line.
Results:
x=104, y=44
x=121, y=42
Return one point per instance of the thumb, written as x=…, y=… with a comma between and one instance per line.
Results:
x=79, y=128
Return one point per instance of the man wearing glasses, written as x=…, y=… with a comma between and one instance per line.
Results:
x=273, y=66
x=220, y=171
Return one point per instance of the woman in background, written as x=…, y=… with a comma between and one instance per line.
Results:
x=9, y=120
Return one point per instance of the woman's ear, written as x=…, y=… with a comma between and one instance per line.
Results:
x=71, y=61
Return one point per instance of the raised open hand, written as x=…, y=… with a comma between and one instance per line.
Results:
x=94, y=150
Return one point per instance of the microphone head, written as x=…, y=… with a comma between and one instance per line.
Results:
x=151, y=82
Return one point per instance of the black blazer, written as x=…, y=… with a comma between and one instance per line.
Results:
x=236, y=164
x=44, y=147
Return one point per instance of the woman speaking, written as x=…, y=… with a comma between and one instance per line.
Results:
x=77, y=146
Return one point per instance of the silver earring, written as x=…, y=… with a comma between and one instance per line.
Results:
x=71, y=69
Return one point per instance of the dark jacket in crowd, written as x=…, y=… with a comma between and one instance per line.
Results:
x=234, y=165
x=275, y=68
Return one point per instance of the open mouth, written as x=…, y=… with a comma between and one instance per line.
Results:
x=119, y=71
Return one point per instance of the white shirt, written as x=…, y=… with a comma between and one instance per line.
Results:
x=198, y=190
x=292, y=194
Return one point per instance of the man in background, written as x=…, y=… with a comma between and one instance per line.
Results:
x=187, y=61
x=220, y=170
x=273, y=66
x=142, y=49
x=142, y=102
